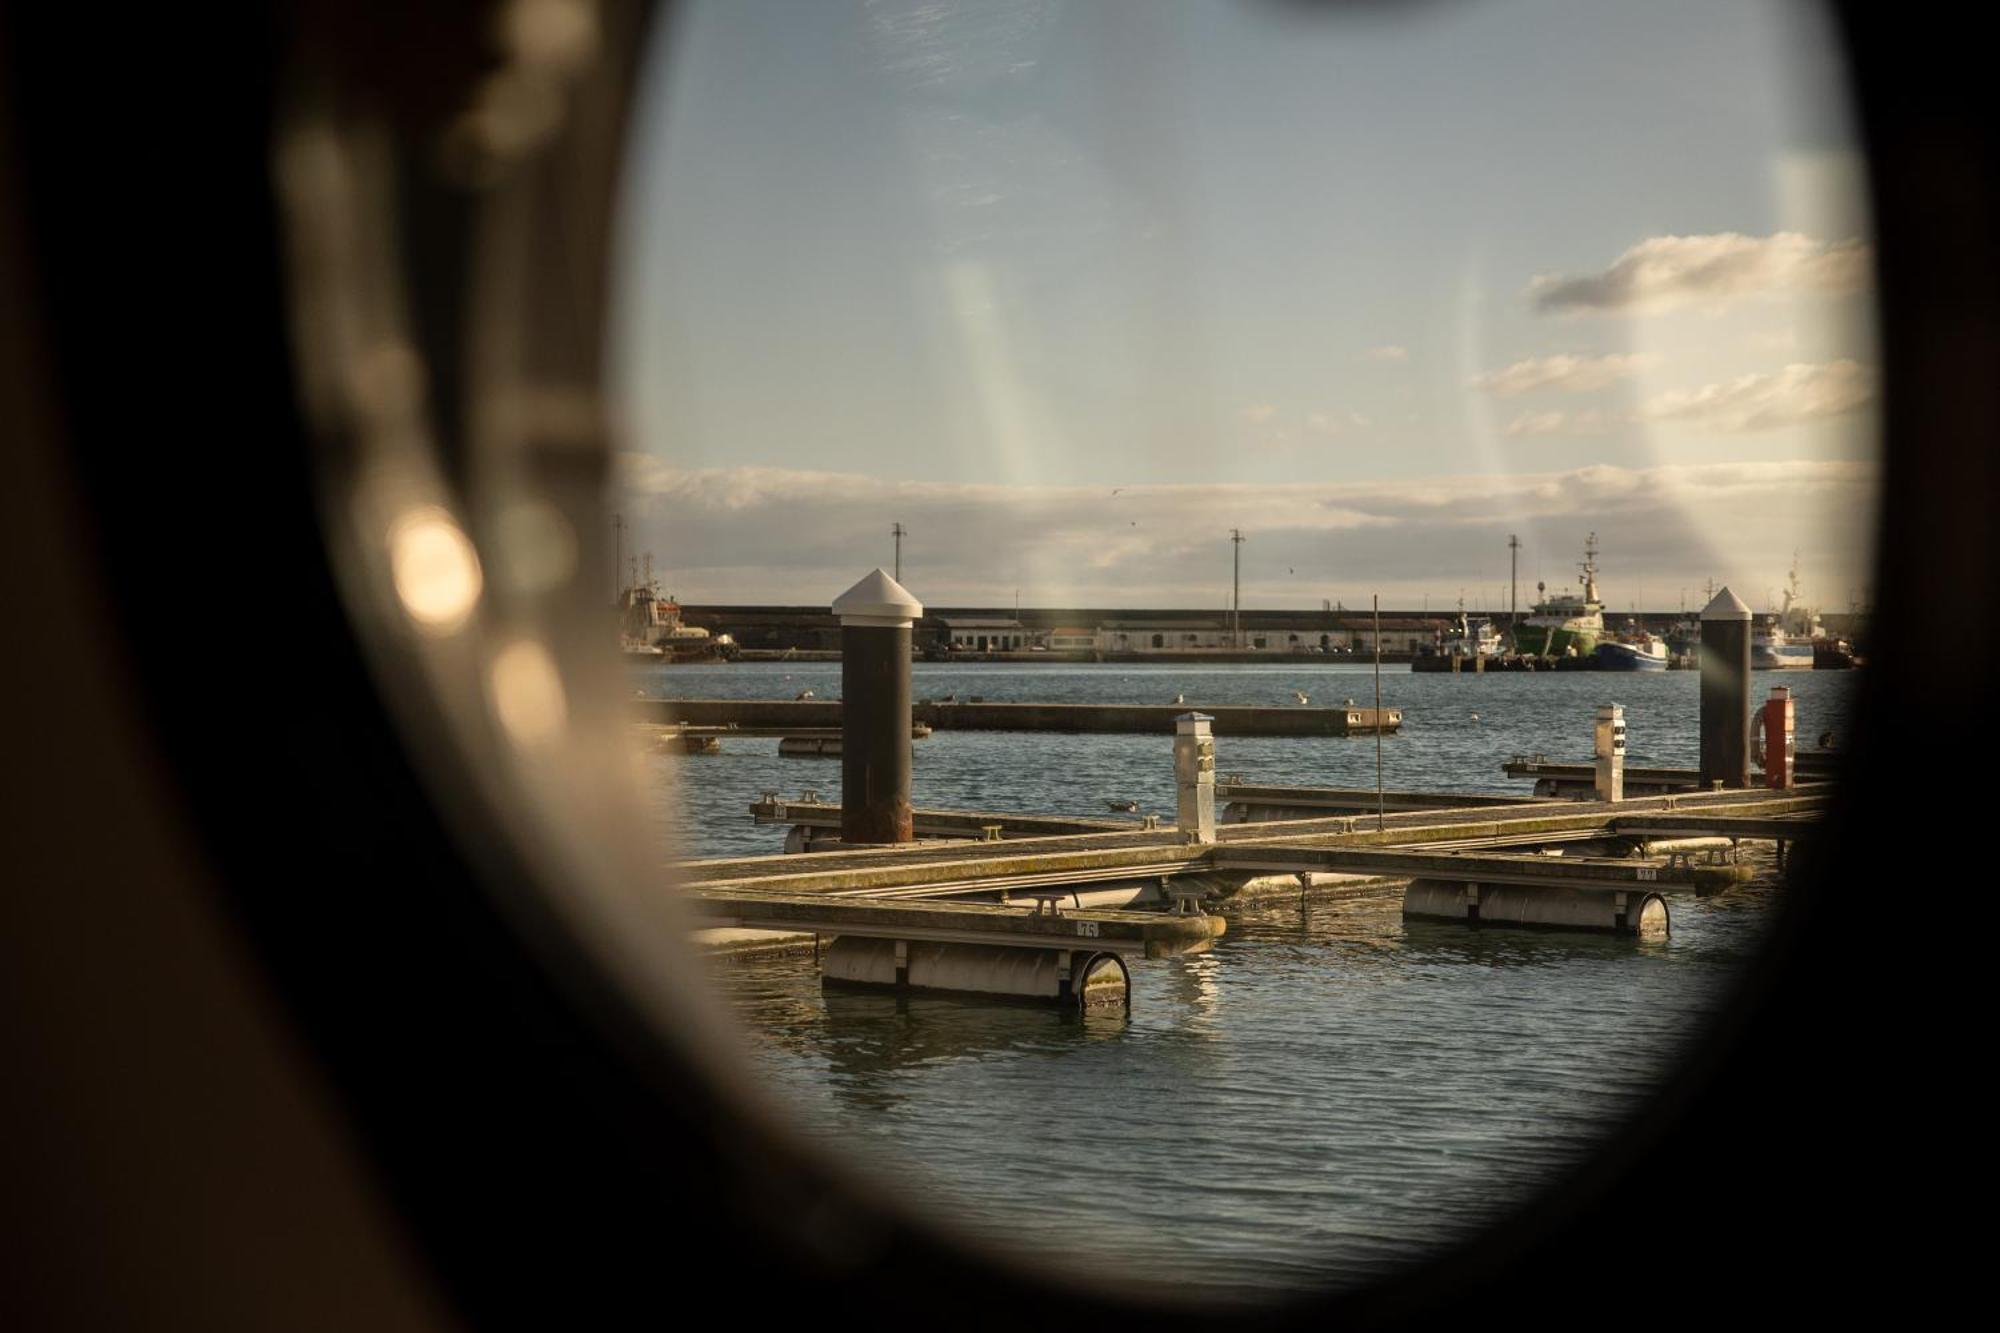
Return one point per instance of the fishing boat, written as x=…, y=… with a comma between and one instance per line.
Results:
x=1476, y=638
x=1784, y=642
x=1633, y=650
x=1565, y=625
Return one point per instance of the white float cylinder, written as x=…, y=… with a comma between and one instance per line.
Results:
x=1551, y=906
x=1067, y=976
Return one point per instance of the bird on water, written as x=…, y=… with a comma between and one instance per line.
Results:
x=802, y=696
x=1128, y=807
x=1300, y=695
x=1180, y=698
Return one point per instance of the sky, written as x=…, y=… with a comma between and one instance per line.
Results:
x=1070, y=290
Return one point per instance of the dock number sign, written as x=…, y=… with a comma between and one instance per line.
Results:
x=1087, y=929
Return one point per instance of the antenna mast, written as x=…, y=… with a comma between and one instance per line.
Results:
x=618, y=555
x=898, y=531
x=1236, y=594
x=1513, y=583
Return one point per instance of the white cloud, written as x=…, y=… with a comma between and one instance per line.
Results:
x=1558, y=423
x=1320, y=423
x=1259, y=414
x=1389, y=354
x=771, y=535
x=1664, y=272
x=1563, y=373
x=1796, y=394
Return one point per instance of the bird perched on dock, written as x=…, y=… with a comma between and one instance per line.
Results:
x=1300, y=695
x=1180, y=698
x=948, y=699
x=802, y=696
x=1128, y=807
x=1347, y=703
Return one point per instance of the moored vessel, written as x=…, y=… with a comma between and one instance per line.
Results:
x=1565, y=625
x=1785, y=641
x=1633, y=650
x=1475, y=641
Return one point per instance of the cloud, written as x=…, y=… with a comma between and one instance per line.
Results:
x=1259, y=414
x=798, y=537
x=1558, y=423
x=1563, y=373
x=1333, y=423
x=1664, y=272
x=1389, y=354
x=1796, y=394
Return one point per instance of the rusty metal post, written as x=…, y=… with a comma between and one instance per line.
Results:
x=1725, y=692
x=876, y=616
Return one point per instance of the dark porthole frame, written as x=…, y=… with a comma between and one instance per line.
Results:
x=541, y=1149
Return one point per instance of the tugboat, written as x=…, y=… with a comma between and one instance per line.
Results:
x=1565, y=625
x=650, y=628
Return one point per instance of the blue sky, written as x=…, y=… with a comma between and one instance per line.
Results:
x=1376, y=290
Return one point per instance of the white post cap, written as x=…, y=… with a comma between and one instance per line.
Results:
x=878, y=600
x=1726, y=606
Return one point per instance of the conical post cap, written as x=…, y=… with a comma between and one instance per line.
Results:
x=1726, y=606
x=878, y=600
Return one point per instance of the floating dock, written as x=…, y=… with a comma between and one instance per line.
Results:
x=793, y=717
x=1553, y=778
x=1038, y=908
x=1483, y=860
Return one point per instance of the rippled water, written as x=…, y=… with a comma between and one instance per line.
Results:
x=1330, y=1091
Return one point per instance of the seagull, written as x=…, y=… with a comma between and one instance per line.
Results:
x=1116, y=489
x=1475, y=717
x=1347, y=703
x=1180, y=698
x=801, y=696
x=1300, y=695
x=1129, y=807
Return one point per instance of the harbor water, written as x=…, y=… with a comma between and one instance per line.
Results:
x=1331, y=1092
